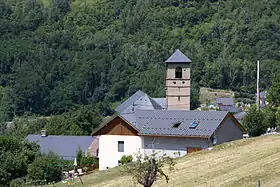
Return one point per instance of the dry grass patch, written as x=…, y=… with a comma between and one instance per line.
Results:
x=236, y=164
x=209, y=95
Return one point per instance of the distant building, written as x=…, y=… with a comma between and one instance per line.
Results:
x=227, y=104
x=263, y=96
x=240, y=116
x=224, y=102
x=165, y=125
x=65, y=146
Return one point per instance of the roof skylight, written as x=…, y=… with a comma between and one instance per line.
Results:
x=194, y=125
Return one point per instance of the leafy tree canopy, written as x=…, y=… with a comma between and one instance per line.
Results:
x=56, y=55
x=15, y=155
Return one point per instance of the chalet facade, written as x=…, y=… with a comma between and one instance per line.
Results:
x=165, y=125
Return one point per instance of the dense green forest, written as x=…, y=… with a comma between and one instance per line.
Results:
x=78, y=59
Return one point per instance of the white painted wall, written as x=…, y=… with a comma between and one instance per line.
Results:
x=108, y=149
x=173, y=147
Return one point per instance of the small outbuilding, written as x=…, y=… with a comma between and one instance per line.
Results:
x=65, y=146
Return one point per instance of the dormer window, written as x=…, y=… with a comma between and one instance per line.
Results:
x=178, y=72
x=176, y=125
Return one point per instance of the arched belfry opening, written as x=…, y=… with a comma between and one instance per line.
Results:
x=178, y=81
x=178, y=72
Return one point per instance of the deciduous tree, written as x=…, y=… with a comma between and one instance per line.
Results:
x=147, y=169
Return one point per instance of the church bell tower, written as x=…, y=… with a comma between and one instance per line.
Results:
x=178, y=81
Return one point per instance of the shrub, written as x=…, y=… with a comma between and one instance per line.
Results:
x=79, y=156
x=126, y=159
x=19, y=182
x=15, y=155
x=87, y=161
x=256, y=122
x=46, y=163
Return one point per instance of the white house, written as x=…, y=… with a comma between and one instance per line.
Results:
x=172, y=132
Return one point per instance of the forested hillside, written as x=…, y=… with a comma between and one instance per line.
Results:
x=64, y=57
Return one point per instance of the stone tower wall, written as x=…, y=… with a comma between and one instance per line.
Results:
x=178, y=89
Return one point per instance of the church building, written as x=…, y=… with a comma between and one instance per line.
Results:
x=164, y=125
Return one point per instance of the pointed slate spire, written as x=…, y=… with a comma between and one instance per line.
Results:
x=178, y=56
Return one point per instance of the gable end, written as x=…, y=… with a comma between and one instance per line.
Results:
x=117, y=126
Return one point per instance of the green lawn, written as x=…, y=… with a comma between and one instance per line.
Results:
x=237, y=164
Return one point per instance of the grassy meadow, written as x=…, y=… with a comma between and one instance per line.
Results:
x=235, y=164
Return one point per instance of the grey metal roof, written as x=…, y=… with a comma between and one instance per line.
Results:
x=160, y=103
x=240, y=115
x=131, y=118
x=141, y=101
x=160, y=122
x=178, y=56
x=64, y=146
x=129, y=102
x=225, y=101
x=230, y=108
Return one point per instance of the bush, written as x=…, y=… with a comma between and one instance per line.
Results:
x=19, y=182
x=126, y=159
x=15, y=155
x=256, y=122
x=87, y=161
x=45, y=162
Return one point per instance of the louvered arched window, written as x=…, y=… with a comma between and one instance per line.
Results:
x=178, y=72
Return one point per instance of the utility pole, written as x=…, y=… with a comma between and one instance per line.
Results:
x=258, y=85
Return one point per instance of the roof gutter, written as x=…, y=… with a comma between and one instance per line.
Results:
x=173, y=136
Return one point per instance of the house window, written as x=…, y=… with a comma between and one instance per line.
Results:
x=120, y=146
x=179, y=98
x=178, y=72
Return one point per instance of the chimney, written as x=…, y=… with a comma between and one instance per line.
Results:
x=44, y=133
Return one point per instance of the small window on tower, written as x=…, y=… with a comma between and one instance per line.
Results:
x=179, y=98
x=178, y=72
